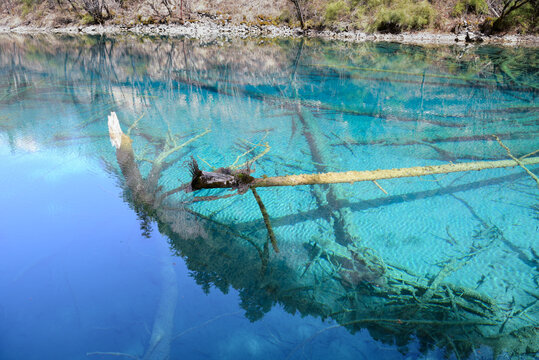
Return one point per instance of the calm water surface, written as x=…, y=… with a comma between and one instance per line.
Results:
x=98, y=263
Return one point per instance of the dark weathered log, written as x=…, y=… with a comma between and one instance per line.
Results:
x=222, y=178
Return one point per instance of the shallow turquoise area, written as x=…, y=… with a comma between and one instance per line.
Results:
x=89, y=271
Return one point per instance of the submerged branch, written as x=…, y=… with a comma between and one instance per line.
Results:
x=169, y=152
x=265, y=215
x=529, y=154
x=380, y=187
x=134, y=125
x=204, y=324
x=394, y=322
x=518, y=161
x=250, y=162
x=101, y=353
x=250, y=150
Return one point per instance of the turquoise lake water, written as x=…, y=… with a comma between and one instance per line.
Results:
x=427, y=268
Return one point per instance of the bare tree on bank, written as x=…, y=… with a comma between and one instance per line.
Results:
x=299, y=12
x=7, y=5
x=174, y=8
x=95, y=8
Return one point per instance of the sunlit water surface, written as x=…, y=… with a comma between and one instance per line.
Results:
x=88, y=272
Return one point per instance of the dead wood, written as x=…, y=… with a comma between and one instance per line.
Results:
x=265, y=215
x=357, y=176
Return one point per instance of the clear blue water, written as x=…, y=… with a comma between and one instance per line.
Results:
x=89, y=272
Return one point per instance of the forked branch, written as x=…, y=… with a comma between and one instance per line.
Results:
x=518, y=161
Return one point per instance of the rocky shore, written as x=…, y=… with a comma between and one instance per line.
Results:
x=208, y=30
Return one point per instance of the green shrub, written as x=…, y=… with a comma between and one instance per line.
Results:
x=316, y=24
x=524, y=19
x=335, y=10
x=285, y=17
x=376, y=4
x=27, y=6
x=405, y=15
x=88, y=19
x=470, y=6
x=369, y=4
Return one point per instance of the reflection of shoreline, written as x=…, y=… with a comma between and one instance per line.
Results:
x=206, y=30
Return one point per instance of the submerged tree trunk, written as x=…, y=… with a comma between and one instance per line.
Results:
x=126, y=160
x=161, y=336
x=163, y=325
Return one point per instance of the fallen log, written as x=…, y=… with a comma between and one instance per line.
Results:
x=367, y=175
x=372, y=175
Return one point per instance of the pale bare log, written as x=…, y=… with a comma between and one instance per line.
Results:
x=126, y=160
x=357, y=176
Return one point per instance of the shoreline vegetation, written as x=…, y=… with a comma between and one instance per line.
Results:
x=508, y=22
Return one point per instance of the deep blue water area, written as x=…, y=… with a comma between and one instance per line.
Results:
x=105, y=256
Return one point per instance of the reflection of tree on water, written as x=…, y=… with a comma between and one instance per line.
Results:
x=332, y=276
x=355, y=287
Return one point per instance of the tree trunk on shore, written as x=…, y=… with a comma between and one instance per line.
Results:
x=299, y=12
